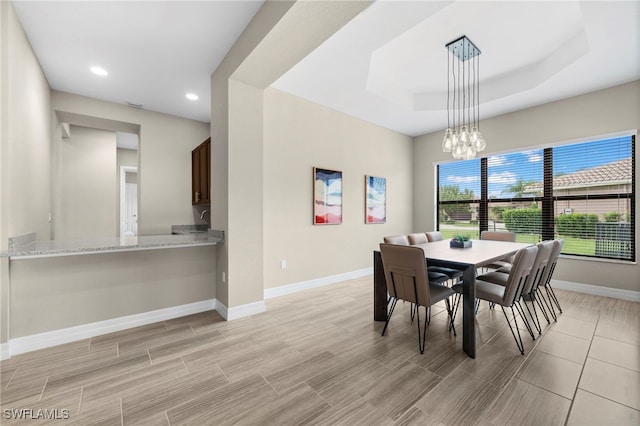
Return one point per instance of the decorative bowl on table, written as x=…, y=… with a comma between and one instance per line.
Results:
x=460, y=241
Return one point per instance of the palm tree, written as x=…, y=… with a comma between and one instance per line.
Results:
x=518, y=189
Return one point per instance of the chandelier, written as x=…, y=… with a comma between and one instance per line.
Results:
x=462, y=137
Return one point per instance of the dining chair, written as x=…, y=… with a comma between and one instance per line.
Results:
x=545, y=280
x=508, y=295
x=405, y=273
x=498, y=236
x=453, y=274
x=434, y=236
x=529, y=290
x=402, y=240
x=417, y=238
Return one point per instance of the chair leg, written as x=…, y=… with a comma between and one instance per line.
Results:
x=537, y=297
x=553, y=295
x=524, y=318
x=517, y=339
x=393, y=306
x=549, y=304
x=422, y=337
x=456, y=304
x=451, y=316
x=534, y=315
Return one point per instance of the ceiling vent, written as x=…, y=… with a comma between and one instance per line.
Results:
x=134, y=104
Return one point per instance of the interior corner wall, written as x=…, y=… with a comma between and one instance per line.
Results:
x=27, y=133
x=299, y=135
x=24, y=145
x=599, y=113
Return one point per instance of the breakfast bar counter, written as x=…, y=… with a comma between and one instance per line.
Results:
x=27, y=247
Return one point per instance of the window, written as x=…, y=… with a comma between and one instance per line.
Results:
x=583, y=193
x=458, y=198
x=593, y=198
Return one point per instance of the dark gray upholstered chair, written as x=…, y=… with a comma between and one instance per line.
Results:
x=508, y=295
x=407, y=279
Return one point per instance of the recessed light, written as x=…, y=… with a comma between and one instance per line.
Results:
x=192, y=96
x=99, y=71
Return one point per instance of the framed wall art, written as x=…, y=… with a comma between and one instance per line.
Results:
x=327, y=197
x=376, y=199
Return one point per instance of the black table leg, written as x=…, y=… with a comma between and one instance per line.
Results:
x=379, y=289
x=468, y=311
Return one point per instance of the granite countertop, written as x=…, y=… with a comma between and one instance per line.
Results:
x=27, y=246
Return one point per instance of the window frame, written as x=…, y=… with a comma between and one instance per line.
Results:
x=548, y=199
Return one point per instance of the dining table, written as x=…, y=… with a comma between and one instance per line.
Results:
x=468, y=260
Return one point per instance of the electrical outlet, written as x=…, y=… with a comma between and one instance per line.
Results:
x=224, y=277
x=283, y=264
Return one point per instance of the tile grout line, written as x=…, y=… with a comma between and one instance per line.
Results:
x=12, y=376
x=43, y=388
x=185, y=365
x=575, y=392
x=610, y=400
x=80, y=401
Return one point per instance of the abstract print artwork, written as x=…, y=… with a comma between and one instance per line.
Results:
x=376, y=204
x=327, y=196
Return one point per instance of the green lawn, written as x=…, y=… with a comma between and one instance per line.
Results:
x=572, y=245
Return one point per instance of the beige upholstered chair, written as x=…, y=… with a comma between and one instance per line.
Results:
x=508, y=295
x=452, y=274
x=545, y=280
x=406, y=276
x=499, y=236
x=401, y=240
x=434, y=236
x=529, y=291
x=417, y=238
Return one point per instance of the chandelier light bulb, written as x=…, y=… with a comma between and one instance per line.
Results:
x=470, y=152
x=447, y=142
x=464, y=135
x=480, y=143
x=459, y=150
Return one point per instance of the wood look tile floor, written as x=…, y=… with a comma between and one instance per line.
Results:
x=317, y=358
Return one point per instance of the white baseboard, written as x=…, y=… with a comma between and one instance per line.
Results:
x=57, y=337
x=5, y=353
x=318, y=282
x=596, y=290
x=241, y=311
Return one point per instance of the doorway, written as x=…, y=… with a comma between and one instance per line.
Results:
x=128, y=201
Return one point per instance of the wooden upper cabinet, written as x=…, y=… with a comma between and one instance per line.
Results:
x=201, y=174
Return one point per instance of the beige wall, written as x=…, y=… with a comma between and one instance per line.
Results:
x=164, y=156
x=599, y=113
x=24, y=144
x=54, y=293
x=299, y=135
x=88, y=185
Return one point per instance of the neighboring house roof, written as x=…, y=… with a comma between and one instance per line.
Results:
x=618, y=172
